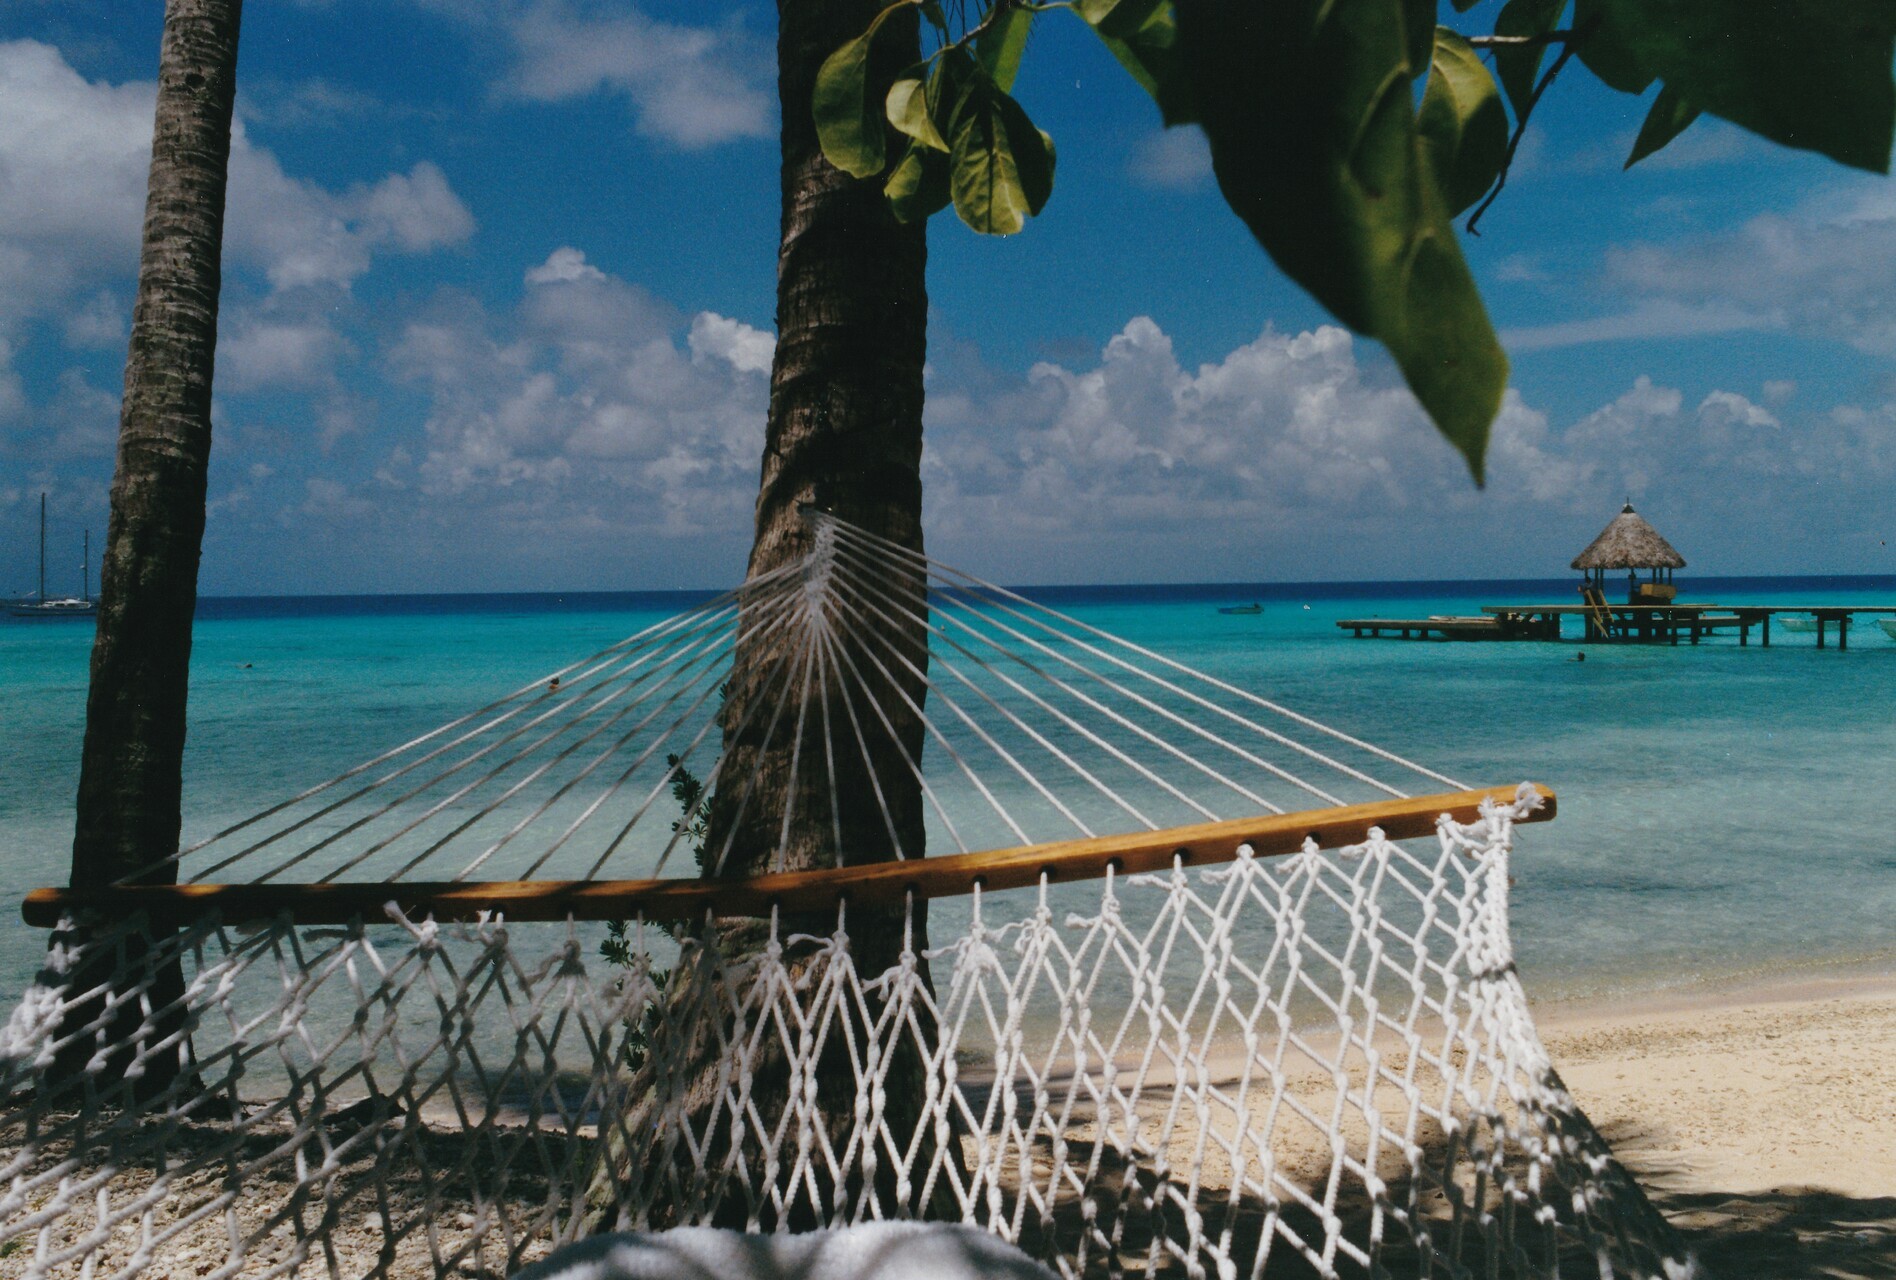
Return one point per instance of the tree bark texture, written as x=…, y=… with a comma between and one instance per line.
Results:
x=131, y=772
x=845, y=436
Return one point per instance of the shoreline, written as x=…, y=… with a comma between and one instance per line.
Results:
x=1821, y=978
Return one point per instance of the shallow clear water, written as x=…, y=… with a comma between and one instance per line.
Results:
x=1723, y=810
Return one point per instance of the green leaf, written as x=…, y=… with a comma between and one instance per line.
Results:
x=848, y=126
x=908, y=112
x=931, y=9
x=850, y=133
x=1309, y=111
x=1518, y=66
x=999, y=48
x=1464, y=128
x=1604, y=48
x=1418, y=23
x=1669, y=117
x=1143, y=36
x=1813, y=74
x=918, y=186
x=1001, y=167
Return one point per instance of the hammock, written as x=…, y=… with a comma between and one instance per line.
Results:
x=1188, y=983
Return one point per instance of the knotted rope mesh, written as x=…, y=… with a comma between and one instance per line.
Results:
x=1320, y=1063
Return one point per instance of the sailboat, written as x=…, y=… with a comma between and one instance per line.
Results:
x=38, y=606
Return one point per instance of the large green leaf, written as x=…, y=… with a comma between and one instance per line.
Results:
x=1805, y=73
x=1143, y=36
x=1463, y=126
x=1669, y=117
x=1001, y=166
x=1418, y=24
x=1000, y=46
x=908, y=111
x=1604, y=49
x=918, y=185
x=950, y=83
x=1308, y=108
x=1518, y=66
x=849, y=124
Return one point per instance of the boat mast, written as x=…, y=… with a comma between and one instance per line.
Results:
x=42, y=590
x=85, y=569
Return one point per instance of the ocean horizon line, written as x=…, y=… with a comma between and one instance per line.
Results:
x=219, y=606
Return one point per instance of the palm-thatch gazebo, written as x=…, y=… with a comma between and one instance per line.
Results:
x=1631, y=544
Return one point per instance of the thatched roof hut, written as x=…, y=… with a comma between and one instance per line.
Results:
x=1628, y=543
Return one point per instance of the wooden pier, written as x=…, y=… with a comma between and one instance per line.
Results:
x=1443, y=626
x=1668, y=623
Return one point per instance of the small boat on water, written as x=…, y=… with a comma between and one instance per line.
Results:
x=1241, y=608
x=1803, y=626
x=1889, y=626
x=38, y=605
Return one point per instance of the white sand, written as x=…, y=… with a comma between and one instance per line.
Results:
x=1762, y=1117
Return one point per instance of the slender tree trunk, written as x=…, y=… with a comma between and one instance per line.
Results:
x=131, y=774
x=844, y=435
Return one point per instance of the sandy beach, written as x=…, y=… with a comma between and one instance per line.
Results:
x=1761, y=1116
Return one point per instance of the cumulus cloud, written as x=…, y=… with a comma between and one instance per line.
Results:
x=303, y=235
x=716, y=337
x=73, y=163
x=257, y=351
x=1280, y=425
x=1293, y=456
x=584, y=395
x=692, y=87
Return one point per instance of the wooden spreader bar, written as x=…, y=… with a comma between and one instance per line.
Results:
x=1202, y=844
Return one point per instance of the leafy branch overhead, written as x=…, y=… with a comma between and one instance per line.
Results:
x=1346, y=134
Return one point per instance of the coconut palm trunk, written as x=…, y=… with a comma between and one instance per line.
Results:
x=131, y=773
x=844, y=436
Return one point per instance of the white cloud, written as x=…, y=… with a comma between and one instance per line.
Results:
x=716, y=337
x=1291, y=457
x=304, y=235
x=562, y=265
x=690, y=86
x=1174, y=159
x=1829, y=269
x=73, y=162
x=1651, y=318
x=584, y=397
x=254, y=353
x=99, y=322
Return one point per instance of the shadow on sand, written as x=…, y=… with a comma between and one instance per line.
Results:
x=1788, y=1233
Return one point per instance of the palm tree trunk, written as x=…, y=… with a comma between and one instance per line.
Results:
x=131, y=773
x=844, y=435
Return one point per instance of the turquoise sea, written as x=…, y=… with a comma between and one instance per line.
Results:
x=1724, y=811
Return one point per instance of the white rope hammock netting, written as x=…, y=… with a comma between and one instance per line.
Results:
x=1316, y=1061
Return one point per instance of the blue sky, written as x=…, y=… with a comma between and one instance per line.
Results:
x=499, y=294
